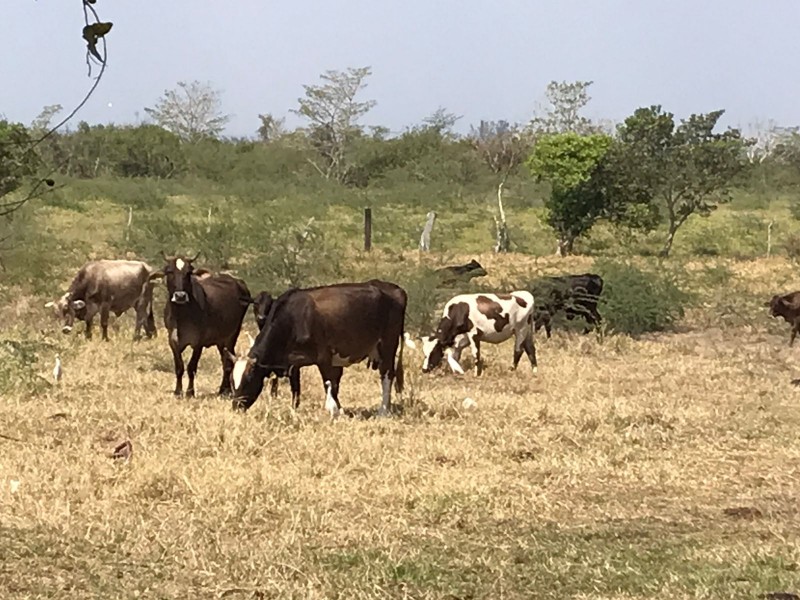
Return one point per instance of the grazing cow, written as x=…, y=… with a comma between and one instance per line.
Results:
x=106, y=286
x=469, y=319
x=332, y=327
x=461, y=272
x=788, y=307
x=202, y=311
x=261, y=305
x=576, y=295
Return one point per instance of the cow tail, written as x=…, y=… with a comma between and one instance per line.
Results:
x=399, y=376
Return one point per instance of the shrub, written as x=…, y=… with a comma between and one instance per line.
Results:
x=636, y=301
x=792, y=246
x=18, y=366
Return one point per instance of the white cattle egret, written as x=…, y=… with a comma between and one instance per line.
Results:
x=469, y=404
x=330, y=404
x=57, y=370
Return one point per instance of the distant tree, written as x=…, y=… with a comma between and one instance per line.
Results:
x=271, y=128
x=502, y=146
x=442, y=122
x=686, y=169
x=568, y=161
x=18, y=162
x=566, y=101
x=333, y=114
x=192, y=111
x=41, y=123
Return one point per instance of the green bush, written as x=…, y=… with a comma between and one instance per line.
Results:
x=636, y=301
x=18, y=366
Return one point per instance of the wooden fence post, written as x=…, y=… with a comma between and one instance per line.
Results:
x=425, y=238
x=367, y=229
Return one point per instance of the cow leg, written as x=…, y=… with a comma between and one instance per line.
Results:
x=294, y=384
x=178, y=360
x=91, y=311
x=104, y=312
x=794, y=334
x=475, y=347
x=225, y=388
x=192, y=369
x=525, y=343
x=273, y=390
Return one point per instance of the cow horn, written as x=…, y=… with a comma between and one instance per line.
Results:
x=196, y=256
x=164, y=256
x=50, y=304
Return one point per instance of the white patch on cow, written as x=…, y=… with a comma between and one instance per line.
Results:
x=78, y=304
x=179, y=263
x=453, y=362
x=428, y=344
x=239, y=369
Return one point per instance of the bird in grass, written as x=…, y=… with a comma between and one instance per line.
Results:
x=58, y=372
x=330, y=404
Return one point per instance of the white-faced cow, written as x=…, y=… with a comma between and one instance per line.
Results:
x=331, y=327
x=469, y=319
x=788, y=307
x=202, y=311
x=106, y=286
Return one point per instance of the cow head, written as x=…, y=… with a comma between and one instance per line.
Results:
x=261, y=305
x=68, y=309
x=179, y=275
x=247, y=378
x=777, y=306
x=475, y=269
x=433, y=353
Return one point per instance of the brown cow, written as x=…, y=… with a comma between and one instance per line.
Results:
x=331, y=327
x=106, y=286
x=788, y=307
x=202, y=311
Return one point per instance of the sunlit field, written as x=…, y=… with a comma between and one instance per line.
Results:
x=660, y=467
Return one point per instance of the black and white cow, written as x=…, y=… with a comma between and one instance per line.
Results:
x=469, y=319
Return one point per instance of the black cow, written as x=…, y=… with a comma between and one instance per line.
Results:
x=331, y=327
x=461, y=272
x=788, y=307
x=261, y=305
x=202, y=311
x=576, y=295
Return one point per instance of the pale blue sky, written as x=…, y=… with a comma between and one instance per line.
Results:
x=483, y=59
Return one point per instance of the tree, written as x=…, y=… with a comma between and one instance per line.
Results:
x=192, y=111
x=442, y=122
x=18, y=161
x=500, y=145
x=333, y=113
x=566, y=100
x=686, y=169
x=271, y=128
x=568, y=161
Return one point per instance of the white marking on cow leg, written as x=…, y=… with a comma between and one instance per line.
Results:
x=179, y=263
x=386, y=400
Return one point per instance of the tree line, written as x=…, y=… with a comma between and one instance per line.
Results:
x=651, y=170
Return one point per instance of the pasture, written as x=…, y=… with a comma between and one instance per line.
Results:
x=659, y=466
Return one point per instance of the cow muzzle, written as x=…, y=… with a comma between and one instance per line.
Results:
x=66, y=329
x=180, y=298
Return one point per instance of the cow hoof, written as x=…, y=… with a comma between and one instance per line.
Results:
x=177, y=394
x=384, y=412
x=190, y=393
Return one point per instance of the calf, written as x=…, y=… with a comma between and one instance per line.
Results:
x=106, y=286
x=331, y=327
x=458, y=273
x=469, y=319
x=788, y=307
x=261, y=305
x=575, y=295
x=202, y=311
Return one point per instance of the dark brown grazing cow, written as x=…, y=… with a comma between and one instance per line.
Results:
x=575, y=295
x=202, y=311
x=788, y=307
x=106, y=286
x=331, y=327
x=458, y=273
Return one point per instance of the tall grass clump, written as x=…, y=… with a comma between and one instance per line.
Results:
x=640, y=300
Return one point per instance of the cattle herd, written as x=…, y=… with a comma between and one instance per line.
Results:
x=330, y=327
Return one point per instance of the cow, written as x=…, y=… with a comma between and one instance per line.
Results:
x=788, y=307
x=201, y=311
x=332, y=327
x=469, y=319
x=261, y=305
x=458, y=273
x=576, y=295
x=106, y=286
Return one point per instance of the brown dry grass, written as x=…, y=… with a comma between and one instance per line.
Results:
x=608, y=475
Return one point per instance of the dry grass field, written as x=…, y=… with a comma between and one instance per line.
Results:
x=661, y=467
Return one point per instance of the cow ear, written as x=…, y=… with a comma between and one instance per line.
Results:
x=78, y=304
x=156, y=275
x=198, y=293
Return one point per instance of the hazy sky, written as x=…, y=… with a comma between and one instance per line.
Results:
x=483, y=59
